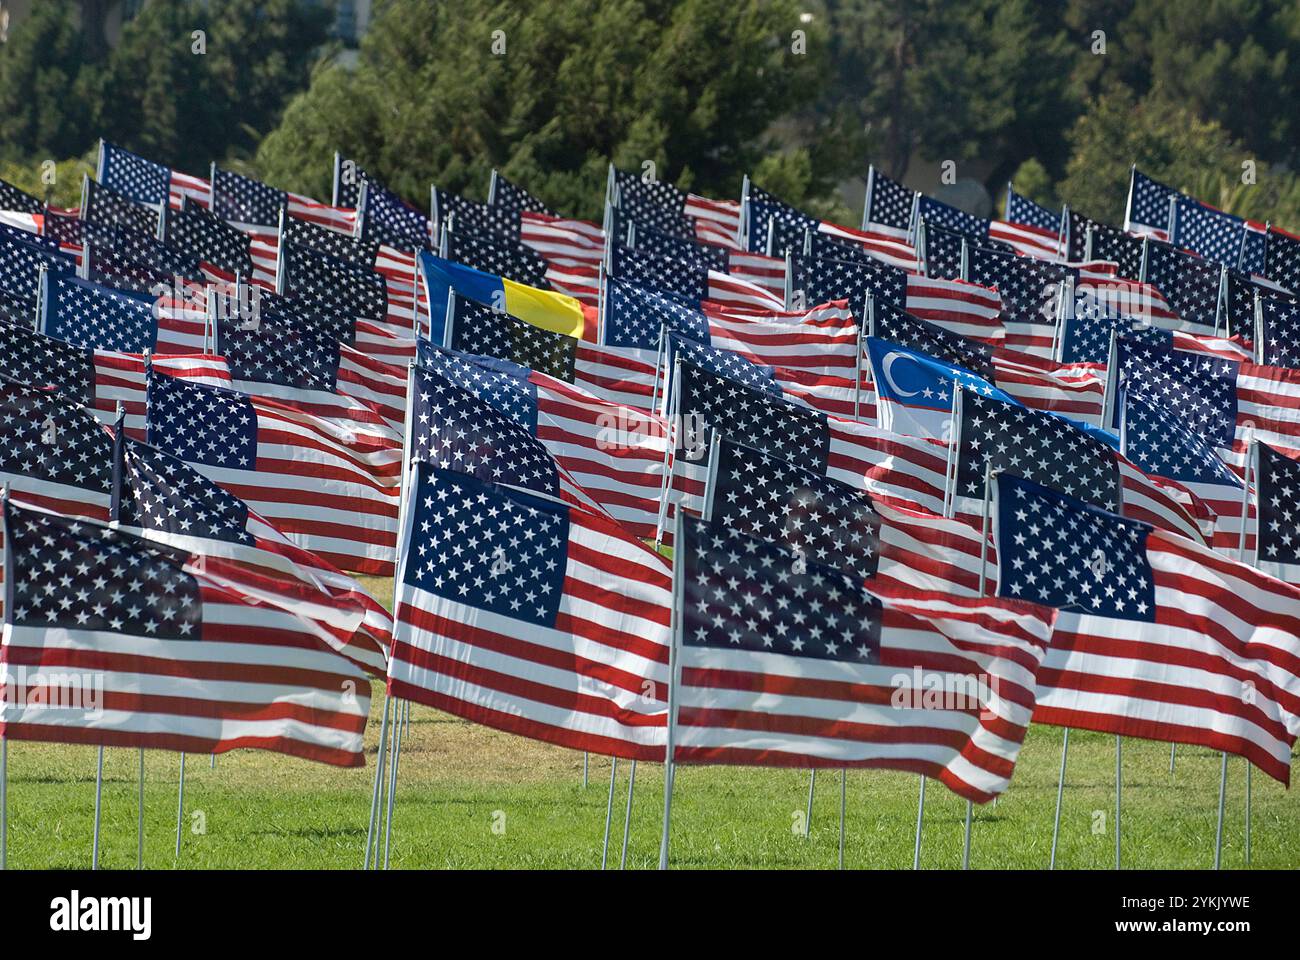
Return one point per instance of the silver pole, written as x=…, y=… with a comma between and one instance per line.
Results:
x=1218, y=830
x=844, y=776
x=627, y=815
x=586, y=760
x=920, y=812
x=139, y=828
x=395, y=751
x=180, y=805
x=1247, y=812
x=4, y=804
x=807, y=819
x=609, y=811
x=99, y=795
x=212, y=765
x=1119, y=780
x=379, y=778
x=965, y=850
x=674, y=662
x=1060, y=789
x=1173, y=752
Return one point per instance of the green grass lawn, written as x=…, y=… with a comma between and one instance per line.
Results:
x=471, y=797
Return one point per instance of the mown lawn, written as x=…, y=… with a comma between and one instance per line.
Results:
x=471, y=797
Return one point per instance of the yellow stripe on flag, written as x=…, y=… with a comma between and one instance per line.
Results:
x=542, y=308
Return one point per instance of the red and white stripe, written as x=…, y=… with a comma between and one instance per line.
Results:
x=596, y=681
x=328, y=489
x=1025, y=240
x=958, y=306
x=260, y=678
x=742, y=707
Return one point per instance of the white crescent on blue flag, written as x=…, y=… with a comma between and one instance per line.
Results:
x=915, y=390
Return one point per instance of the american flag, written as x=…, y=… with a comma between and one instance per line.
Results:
x=1239, y=292
x=651, y=201
x=97, y=379
x=1029, y=290
x=1074, y=390
x=908, y=469
x=93, y=315
x=765, y=217
x=346, y=183
x=14, y=200
x=54, y=453
x=495, y=253
x=1165, y=445
x=822, y=340
x=255, y=207
x=312, y=370
x=253, y=304
x=1278, y=336
x=328, y=489
x=1157, y=637
x=941, y=251
x=640, y=236
x=616, y=454
x=1207, y=232
x=1021, y=210
x=185, y=660
x=695, y=283
x=193, y=230
x=388, y=219
x=321, y=282
x=888, y=207
x=547, y=621
x=342, y=246
x=145, y=181
x=1112, y=245
x=20, y=272
x=455, y=429
x=514, y=199
x=819, y=281
x=1191, y=284
x=1070, y=457
x=1277, y=483
x=162, y=498
x=951, y=218
x=1282, y=258
x=1147, y=212
x=783, y=662
x=128, y=246
x=89, y=315
x=1087, y=324
x=1225, y=402
x=450, y=211
x=103, y=205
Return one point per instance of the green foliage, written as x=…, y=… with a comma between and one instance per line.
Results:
x=155, y=92
x=1174, y=145
x=1031, y=180
x=692, y=86
x=61, y=185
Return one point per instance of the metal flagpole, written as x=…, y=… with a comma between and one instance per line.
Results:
x=4, y=803
x=379, y=779
x=609, y=811
x=673, y=674
x=627, y=815
x=807, y=819
x=99, y=794
x=139, y=828
x=180, y=805
x=1218, y=830
x=671, y=408
x=1060, y=788
x=1119, y=780
x=396, y=752
x=585, y=766
x=844, y=776
x=984, y=561
x=920, y=812
x=1173, y=754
